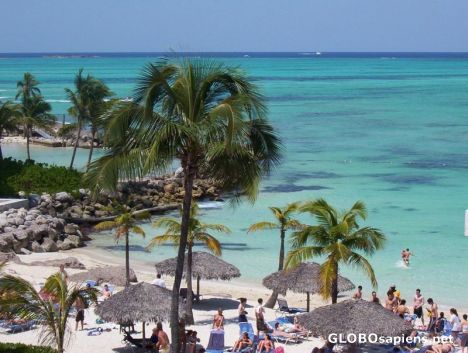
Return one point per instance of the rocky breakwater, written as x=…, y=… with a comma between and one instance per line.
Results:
x=24, y=231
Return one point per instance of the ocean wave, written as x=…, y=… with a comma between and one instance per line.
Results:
x=57, y=101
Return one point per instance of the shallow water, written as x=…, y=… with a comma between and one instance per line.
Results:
x=390, y=132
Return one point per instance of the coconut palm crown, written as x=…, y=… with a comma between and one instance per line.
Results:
x=337, y=237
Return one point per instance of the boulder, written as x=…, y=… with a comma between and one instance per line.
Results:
x=49, y=245
x=75, y=239
x=63, y=197
x=69, y=262
x=70, y=228
x=25, y=251
x=39, y=231
x=36, y=247
x=66, y=245
x=22, y=239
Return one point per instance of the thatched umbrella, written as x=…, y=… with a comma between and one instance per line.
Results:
x=140, y=302
x=354, y=317
x=304, y=278
x=114, y=275
x=204, y=265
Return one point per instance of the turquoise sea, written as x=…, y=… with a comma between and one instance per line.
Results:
x=388, y=129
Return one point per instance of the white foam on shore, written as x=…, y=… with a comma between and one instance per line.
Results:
x=211, y=204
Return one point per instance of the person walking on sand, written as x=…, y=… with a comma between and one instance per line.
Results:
x=79, y=305
x=433, y=312
x=456, y=324
x=418, y=302
x=358, y=293
x=464, y=334
x=241, y=310
x=260, y=317
x=163, y=340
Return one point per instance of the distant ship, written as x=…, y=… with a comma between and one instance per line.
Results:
x=246, y=56
x=318, y=53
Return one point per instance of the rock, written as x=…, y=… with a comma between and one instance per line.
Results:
x=66, y=245
x=25, y=251
x=39, y=231
x=49, y=245
x=70, y=228
x=36, y=247
x=75, y=240
x=63, y=197
x=10, y=257
x=69, y=262
x=99, y=213
x=22, y=239
x=170, y=188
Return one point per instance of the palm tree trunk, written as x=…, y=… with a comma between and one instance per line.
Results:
x=189, y=176
x=127, y=261
x=1, y=153
x=334, y=287
x=78, y=135
x=274, y=296
x=189, y=320
x=27, y=143
x=93, y=135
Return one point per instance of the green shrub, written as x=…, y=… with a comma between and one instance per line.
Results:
x=32, y=177
x=23, y=348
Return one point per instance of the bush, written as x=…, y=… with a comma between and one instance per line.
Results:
x=32, y=177
x=23, y=348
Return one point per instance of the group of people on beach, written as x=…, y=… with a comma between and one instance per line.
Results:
x=438, y=323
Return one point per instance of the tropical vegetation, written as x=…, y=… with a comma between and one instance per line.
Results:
x=35, y=111
x=339, y=239
x=283, y=222
x=198, y=232
x=32, y=177
x=210, y=117
x=88, y=101
x=51, y=311
x=125, y=224
x=23, y=348
x=9, y=114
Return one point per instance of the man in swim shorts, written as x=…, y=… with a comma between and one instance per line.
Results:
x=418, y=302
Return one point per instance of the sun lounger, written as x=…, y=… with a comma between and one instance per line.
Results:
x=283, y=308
x=18, y=327
x=247, y=327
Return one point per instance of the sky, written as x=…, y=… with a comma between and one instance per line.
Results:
x=233, y=26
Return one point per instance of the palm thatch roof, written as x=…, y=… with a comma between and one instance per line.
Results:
x=140, y=302
x=109, y=274
x=204, y=266
x=354, y=317
x=304, y=278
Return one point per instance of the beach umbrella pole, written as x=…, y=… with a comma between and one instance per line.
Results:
x=143, y=330
x=198, y=288
x=308, y=301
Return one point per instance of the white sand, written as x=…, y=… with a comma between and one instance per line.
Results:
x=216, y=294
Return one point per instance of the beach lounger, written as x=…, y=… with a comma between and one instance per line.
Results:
x=15, y=328
x=283, y=308
x=247, y=327
x=183, y=293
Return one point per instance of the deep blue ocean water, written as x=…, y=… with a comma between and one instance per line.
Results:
x=390, y=129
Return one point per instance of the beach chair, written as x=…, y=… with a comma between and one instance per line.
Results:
x=15, y=328
x=183, y=293
x=283, y=337
x=247, y=327
x=284, y=309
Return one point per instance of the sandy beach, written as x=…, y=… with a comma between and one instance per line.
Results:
x=216, y=294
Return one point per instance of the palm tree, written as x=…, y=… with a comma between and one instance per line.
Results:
x=337, y=237
x=27, y=88
x=284, y=222
x=35, y=113
x=210, y=117
x=9, y=114
x=198, y=232
x=98, y=94
x=24, y=302
x=124, y=224
x=79, y=107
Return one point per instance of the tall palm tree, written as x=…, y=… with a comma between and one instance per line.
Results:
x=339, y=239
x=79, y=106
x=197, y=232
x=209, y=116
x=124, y=224
x=27, y=88
x=35, y=113
x=9, y=114
x=98, y=93
x=25, y=302
x=283, y=223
